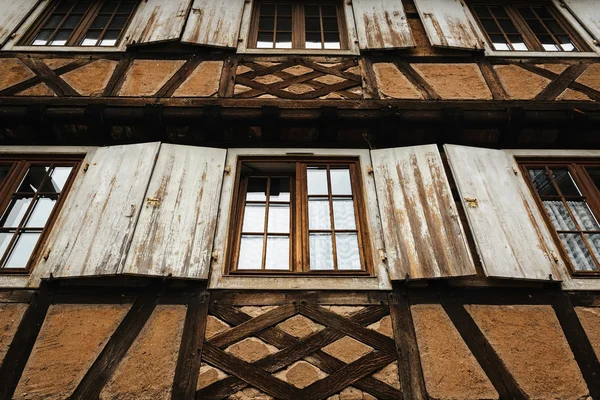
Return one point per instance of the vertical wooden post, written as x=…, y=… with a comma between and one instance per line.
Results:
x=18, y=353
x=409, y=361
x=190, y=351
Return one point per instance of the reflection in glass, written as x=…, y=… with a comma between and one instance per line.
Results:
x=321, y=252
x=33, y=180
x=251, y=250
x=542, y=184
x=279, y=218
x=318, y=214
x=257, y=189
x=41, y=213
x=254, y=218
x=280, y=189
x=340, y=182
x=343, y=213
x=348, y=255
x=5, y=238
x=278, y=253
x=22, y=250
x=59, y=177
x=16, y=211
x=317, y=180
x=565, y=182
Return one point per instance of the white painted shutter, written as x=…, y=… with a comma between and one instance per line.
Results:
x=214, y=23
x=448, y=24
x=94, y=229
x=588, y=12
x=382, y=24
x=157, y=21
x=422, y=231
x=12, y=13
x=509, y=240
x=176, y=228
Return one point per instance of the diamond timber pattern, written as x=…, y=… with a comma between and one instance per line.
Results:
x=292, y=352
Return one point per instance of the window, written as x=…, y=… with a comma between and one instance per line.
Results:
x=31, y=191
x=81, y=23
x=299, y=216
x=569, y=195
x=526, y=26
x=298, y=25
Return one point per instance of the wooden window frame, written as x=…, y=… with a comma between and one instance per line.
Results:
x=20, y=166
x=78, y=33
x=298, y=26
x=530, y=38
x=299, y=246
x=587, y=188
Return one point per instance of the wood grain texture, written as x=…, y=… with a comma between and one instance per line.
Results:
x=13, y=13
x=509, y=241
x=93, y=231
x=448, y=24
x=588, y=13
x=214, y=23
x=158, y=21
x=382, y=24
x=175, y=230
x=423, y=234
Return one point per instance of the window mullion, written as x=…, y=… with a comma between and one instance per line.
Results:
x=88, y=18
x=332, y=219
x=527, y=34
x=266, y=225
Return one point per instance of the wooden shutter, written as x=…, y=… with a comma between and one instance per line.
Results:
x=93, y=231
x=158, y=21
x=176, y=228
x=214, y=23
x=500, y=213
x=448, y=24
x=382, y=24
x=422, y=231
x=588, y=12
x=12, y=13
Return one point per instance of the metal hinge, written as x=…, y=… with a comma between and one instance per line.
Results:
x=152, y=201
x=215, y=255
x=472, y=202
x=382, y=255
x=227, y=170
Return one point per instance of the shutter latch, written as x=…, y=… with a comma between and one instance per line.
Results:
x=472, y=202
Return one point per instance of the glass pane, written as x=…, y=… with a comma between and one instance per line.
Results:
x=594, y=174
x=21, y=253
x=279, y=218
x=15, y=212
x=559, y=215
x=542, y=184
x=267, y=9
x=499, y=12
x=280, y=189
x=340, y=182
x=265, y=40
x=348, y=255
x=266, y=24
x=328, y=11
x=251, y=248
x=4, y=171
x=32, y=181
x=499, y=42
x=41, y=212
x=343, y=213
x=100, y=22
x=311, y=10
x=42, y=38
x=332, y=41
x=594, y=242
x=284, y=9
x=318, y=214
x=490, y=26
x=313, y=40
x=90, y=39
x=254, y=218
x=584, y=216
x=59, y=178
x=110, y=38
x=508, y=26
x=578, y=252
x=61, y=38
x=312, y=24
x=482, y=12
x=278, y=253
x=518, y=43
x=565, y=182
x=321, y=252
x=284, y=41
x=317, y=180
x=257, y=189
x=284, y=24
x=5, y=238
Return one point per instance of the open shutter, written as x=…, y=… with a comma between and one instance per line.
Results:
x=214, y=23
x=176, y=228
x=158, y=21
x=93, y=231
x=12, y=13
x=448, y=24
x=588, y=12
x=508, y=238
x=422, y=231
x=382, y=24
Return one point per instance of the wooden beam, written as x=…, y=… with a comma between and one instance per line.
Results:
x=562, y=82
x=50, y=78
x=179, y=77
x=118, y=77
x=493, y=81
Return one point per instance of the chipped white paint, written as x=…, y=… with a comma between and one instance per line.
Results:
x=94, y=228
x=448, y=23
x=175, y=231
x=382, y=24
x=588, y=12
x=422, y=231
x=510, y=241
x=157, y=21
x=214, y=23
x=12, y=13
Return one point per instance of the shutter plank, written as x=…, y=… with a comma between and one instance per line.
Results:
x=214, y=23
x=12, y=13
x=157, y=21
x=588, y=12
x=448, y=24
x=382, y=24
x=176, y=228
x=422, y=231
x=508, y=239
x=93, y=231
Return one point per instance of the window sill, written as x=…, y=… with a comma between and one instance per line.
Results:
x=64, y=49
x=295, y=282
x=541, y=54
x=280, y=52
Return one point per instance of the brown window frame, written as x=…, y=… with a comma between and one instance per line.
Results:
x=79, y=32
x=529, y=37
x=298, y=25
x=589, y=192
x=299, y=230
x=20, y=165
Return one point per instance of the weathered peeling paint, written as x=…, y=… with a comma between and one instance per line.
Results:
x=13, y=13
x=214, y=23
x=157, y=21
x=381, y=24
